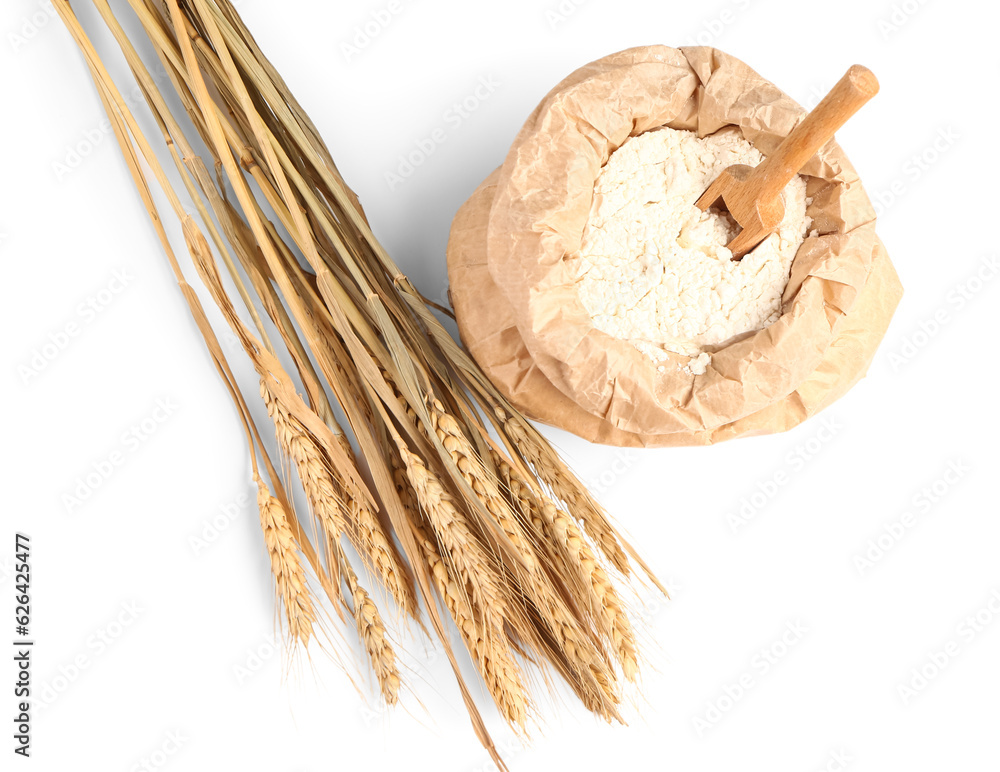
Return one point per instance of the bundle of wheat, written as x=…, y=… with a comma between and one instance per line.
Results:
x=447, y=493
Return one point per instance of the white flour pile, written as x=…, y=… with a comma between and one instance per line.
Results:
x=655, y=270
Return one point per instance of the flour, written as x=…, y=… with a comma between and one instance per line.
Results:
x=654, y=269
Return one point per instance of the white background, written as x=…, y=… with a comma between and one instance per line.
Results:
x=194, y=657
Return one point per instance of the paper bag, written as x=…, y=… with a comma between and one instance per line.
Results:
x=512, y=276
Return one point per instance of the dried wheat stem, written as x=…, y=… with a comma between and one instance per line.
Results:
x=555, y=475
x=517, y=573
x=301, y=447
x=582, y=652
x=404, y=490
x=558, y=528
x=289, y=574
x=380, y=555
x=522, y=497
x=476, y=582
x=493, y=659
x=452, y=529
x=605, y=603
x=372, y=632
x=483, y=484
x=378, y=552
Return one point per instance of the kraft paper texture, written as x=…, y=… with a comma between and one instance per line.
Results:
x=512, y=271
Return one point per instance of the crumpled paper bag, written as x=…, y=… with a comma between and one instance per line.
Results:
x=512, y=273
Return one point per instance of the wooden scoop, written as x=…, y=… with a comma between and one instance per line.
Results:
x=753, y=194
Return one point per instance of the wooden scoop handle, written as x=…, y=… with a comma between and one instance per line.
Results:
x=852, y=91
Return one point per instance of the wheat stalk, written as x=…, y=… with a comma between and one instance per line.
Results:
x=464, y=457
x=289, y=575
x=376, y=548
x=458, y=539
x=302, y=448
x=565, y=486
x=558, y=528
x=441, y=508
x=495, y=662
x=371, y=630
x=604, y=601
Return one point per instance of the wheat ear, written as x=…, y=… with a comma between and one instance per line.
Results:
x=495, y=663
x=377, y=550
x=566, y=488
x=483, y=484
x=289, y=574
x=298, y=444
x=558, y=529
x=371, y=630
